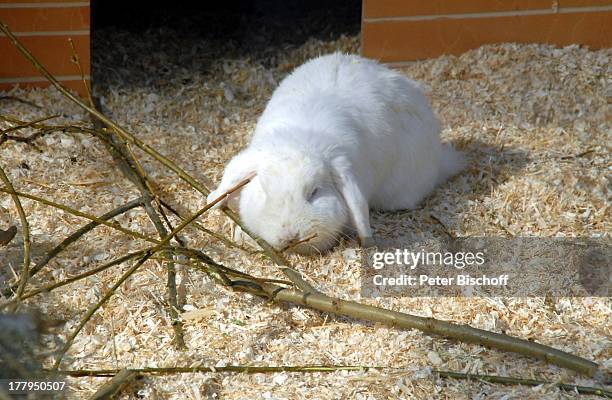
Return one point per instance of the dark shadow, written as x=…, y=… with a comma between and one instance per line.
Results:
x=140, y=45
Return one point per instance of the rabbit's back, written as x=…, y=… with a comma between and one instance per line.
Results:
x=378, y=117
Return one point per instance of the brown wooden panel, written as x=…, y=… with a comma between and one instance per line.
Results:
x=397, y=8
x=53, y=52
x=46, y=19
x=396, y=41
x=75, y=85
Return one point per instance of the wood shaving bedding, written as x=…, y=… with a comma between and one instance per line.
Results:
x=534, y=121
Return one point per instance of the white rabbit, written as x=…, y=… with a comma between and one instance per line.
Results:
x=340, y=135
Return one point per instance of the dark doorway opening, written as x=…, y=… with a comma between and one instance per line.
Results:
x=130, y=37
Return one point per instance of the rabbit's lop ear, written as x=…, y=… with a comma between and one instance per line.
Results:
x=347, y=184
x=241, y=167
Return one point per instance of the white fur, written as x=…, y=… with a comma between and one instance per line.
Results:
x=364, y=134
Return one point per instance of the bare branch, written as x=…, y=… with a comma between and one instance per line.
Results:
x=81, y=214
x=256, y=369
x=25, y=269
x=114, y=386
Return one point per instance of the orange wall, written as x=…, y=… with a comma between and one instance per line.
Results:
x=44, y=27
x=395, y=31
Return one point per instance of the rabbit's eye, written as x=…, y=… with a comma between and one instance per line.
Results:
x=313, y=193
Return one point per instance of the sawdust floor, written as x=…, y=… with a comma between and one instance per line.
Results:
x=534, y=121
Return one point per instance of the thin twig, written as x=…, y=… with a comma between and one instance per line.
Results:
x=439, y=222
x=33, y=124
x=22, y=101
x=76, y=235
x=199, y=226
x=25, y=269
x=83, y=275
x=247, y=369
x=579, y=155
x=137, y=265
x=173, y=306
x=114, y=386
x=100, y=303
x=42, y=130
x=81, y=214
x=199, y=255
x=131, y=168
x=297, y=243
x=506, y=380
x=115, y=356
x=77, y=60
x=28, y=124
